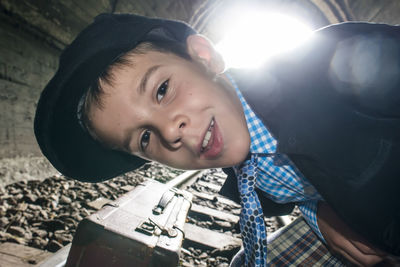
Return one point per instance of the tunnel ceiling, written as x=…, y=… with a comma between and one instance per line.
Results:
x=33, y=33
x=57, y=22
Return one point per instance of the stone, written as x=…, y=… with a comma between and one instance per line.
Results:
x=211, y=261
x=34, y=207
x=186, y=252
x=36, y=192
x=4, y=221
x=90, y=193
x=77, y=217
x=21, y=220
x=72, y=194
x=42, y=201
x=53, y=246
x=30, y=198
x=70, y=222
x=84, y=212
x=98, y=203
x=203, y=255
x=15, y=191
x=39, y=242
x=76, y=205
x=113, y=185
x=18, y=196
x=28, y=235
x=65, y=200
x=63, y=236
x=43, y=214
x=226, y=252
x=53, y=225
x=65, y=186
x=223, y=224
x=54, y=204
x=16, y=230
x=39, y=232
x=16, y=239
x=22, y=206
x=102, y=188
x=127, y=188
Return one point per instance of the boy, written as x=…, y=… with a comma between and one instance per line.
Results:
x=131, y=89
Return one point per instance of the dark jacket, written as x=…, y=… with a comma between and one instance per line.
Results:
x=334, y=107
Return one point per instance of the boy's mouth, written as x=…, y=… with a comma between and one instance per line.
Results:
x=212, y=141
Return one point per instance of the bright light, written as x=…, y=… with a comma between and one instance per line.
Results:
x=254, y=37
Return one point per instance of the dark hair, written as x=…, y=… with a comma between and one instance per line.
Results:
x=95, y=91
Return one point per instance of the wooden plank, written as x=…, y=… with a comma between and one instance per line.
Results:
x=13, y=255
x=183, y=178
x=11, y=261
x=211, y=197
x=209, y=185
x=209, y=238
x=224, y=216
x=57, y=259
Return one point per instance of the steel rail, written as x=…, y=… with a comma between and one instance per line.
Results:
x=186, y=178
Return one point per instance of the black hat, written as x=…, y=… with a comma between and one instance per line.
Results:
x=58, y=131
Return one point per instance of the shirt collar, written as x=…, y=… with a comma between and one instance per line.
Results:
x=260, y=137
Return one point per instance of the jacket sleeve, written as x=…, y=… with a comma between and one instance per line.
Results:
x=364, y=66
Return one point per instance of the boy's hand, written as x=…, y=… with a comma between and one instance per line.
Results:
x=344, y=241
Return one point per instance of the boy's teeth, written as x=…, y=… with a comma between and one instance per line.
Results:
x=206, y=138
x=208, y=135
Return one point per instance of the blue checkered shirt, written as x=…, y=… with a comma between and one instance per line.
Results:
x=278, y=177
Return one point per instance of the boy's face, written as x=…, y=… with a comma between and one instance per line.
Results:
x=165, y=108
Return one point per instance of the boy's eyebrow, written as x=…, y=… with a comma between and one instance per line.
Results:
x=149, y=72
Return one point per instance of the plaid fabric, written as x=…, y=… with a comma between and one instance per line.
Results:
x=277, y=176
x=297, y=245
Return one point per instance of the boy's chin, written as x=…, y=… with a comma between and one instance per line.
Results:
x=233, y=161
x=239, y=155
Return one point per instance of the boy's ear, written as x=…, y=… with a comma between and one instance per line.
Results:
x=202, y=50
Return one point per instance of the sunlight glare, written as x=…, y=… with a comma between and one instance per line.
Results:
x=253, y=38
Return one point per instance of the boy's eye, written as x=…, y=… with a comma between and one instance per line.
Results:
x=162, y=90
x=144, y=140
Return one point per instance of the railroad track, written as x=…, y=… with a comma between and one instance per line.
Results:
x=212, y=229
x=211, y=232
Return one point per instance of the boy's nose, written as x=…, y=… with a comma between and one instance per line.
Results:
x=172, y=130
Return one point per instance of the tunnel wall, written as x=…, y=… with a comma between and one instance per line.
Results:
x=32, y=36
x=33, y=33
